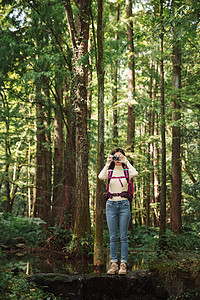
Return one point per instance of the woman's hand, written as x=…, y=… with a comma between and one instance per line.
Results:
x=109, y=159
x=122, y=158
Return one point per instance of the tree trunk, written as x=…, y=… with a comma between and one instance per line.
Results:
x=100, y=203
x=162, y=239
x=89, y=84
x=152, y=133
x=58, y=186
x=115, y=83
x=40, y=184
x=28, y=178
x=156, y=176
x=79, y=35
x=48, y=164
x=149, y=161
x=176, y=223
x=156, y=171
x=7, y=204
x=70, y=162
x=148, y=187
x=131, y=79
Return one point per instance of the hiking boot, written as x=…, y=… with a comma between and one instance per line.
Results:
x=122, y=270
x=113, y=269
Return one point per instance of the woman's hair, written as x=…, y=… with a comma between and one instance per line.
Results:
x=112, y=165
x=118, y=150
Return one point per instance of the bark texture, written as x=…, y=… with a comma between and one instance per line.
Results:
x=131, y=79
x=162, y=240
x=40, y=159
x=176, y=223
x=58, y=188
x=42, y=188
x=100, y=203
x=79, y=34
x=115, y=84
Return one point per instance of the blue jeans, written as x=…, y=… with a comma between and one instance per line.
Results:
x=118, y=210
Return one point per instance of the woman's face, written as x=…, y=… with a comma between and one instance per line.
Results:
x=119, y=162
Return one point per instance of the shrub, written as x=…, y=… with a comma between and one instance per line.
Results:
x=12, y=227
x=17, y=287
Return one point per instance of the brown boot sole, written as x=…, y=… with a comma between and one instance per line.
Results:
x=122, y=273
x=114, y=273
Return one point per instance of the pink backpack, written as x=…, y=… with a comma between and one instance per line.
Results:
x=126, y=194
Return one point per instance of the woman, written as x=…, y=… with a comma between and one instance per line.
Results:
x=118, y=206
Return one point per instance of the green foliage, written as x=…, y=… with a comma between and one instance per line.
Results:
x=189, y=294
x=35, y=47
x=191, y=207
x=177, y=268
x=80, y=247
x=144, y=244
x=12, y=227
x=62, y=234
x=57, y=239
x=186, y=242
x=16, y=287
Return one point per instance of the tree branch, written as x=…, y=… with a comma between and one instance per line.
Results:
x=71, y=25
x=185, y=168
x=94, y=38
x=54, y=34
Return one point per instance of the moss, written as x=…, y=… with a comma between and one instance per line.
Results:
x=176, y=268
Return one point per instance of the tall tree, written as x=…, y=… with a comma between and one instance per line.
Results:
x=131, y=79
x=58, y=185
x=130, y=143
x=162, y=240
x=156, y=177
x=6, y=118
x=69, y=158
x=41, y=201
x=99, y=206
x=79, y=34
x=176, y=222
x=48, y=164
x=115, y=82
x=40, y=184
x=149, y=148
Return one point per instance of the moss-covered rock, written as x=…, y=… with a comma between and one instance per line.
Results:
x=136, y=285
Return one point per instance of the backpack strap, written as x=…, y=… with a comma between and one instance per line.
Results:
x=126, y=173
x=110, y=172
x=107, y=187
x=119, y=177
x=109, y=177
x=123, y=194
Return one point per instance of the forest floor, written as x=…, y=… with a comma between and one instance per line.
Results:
x=24, y=249
x=179, y=271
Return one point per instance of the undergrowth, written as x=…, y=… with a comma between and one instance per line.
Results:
x=17, y=287
x=28, y=229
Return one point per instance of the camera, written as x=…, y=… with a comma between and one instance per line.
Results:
x=115, y=157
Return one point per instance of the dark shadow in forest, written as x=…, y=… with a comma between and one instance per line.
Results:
x=32, y=263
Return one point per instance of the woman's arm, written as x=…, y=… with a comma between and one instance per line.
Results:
x=104, y=172
x=131, y=169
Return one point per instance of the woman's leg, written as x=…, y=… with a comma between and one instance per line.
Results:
x=124, y=219
x=111, y=216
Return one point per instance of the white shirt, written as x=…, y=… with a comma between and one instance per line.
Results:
x=115, y=185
